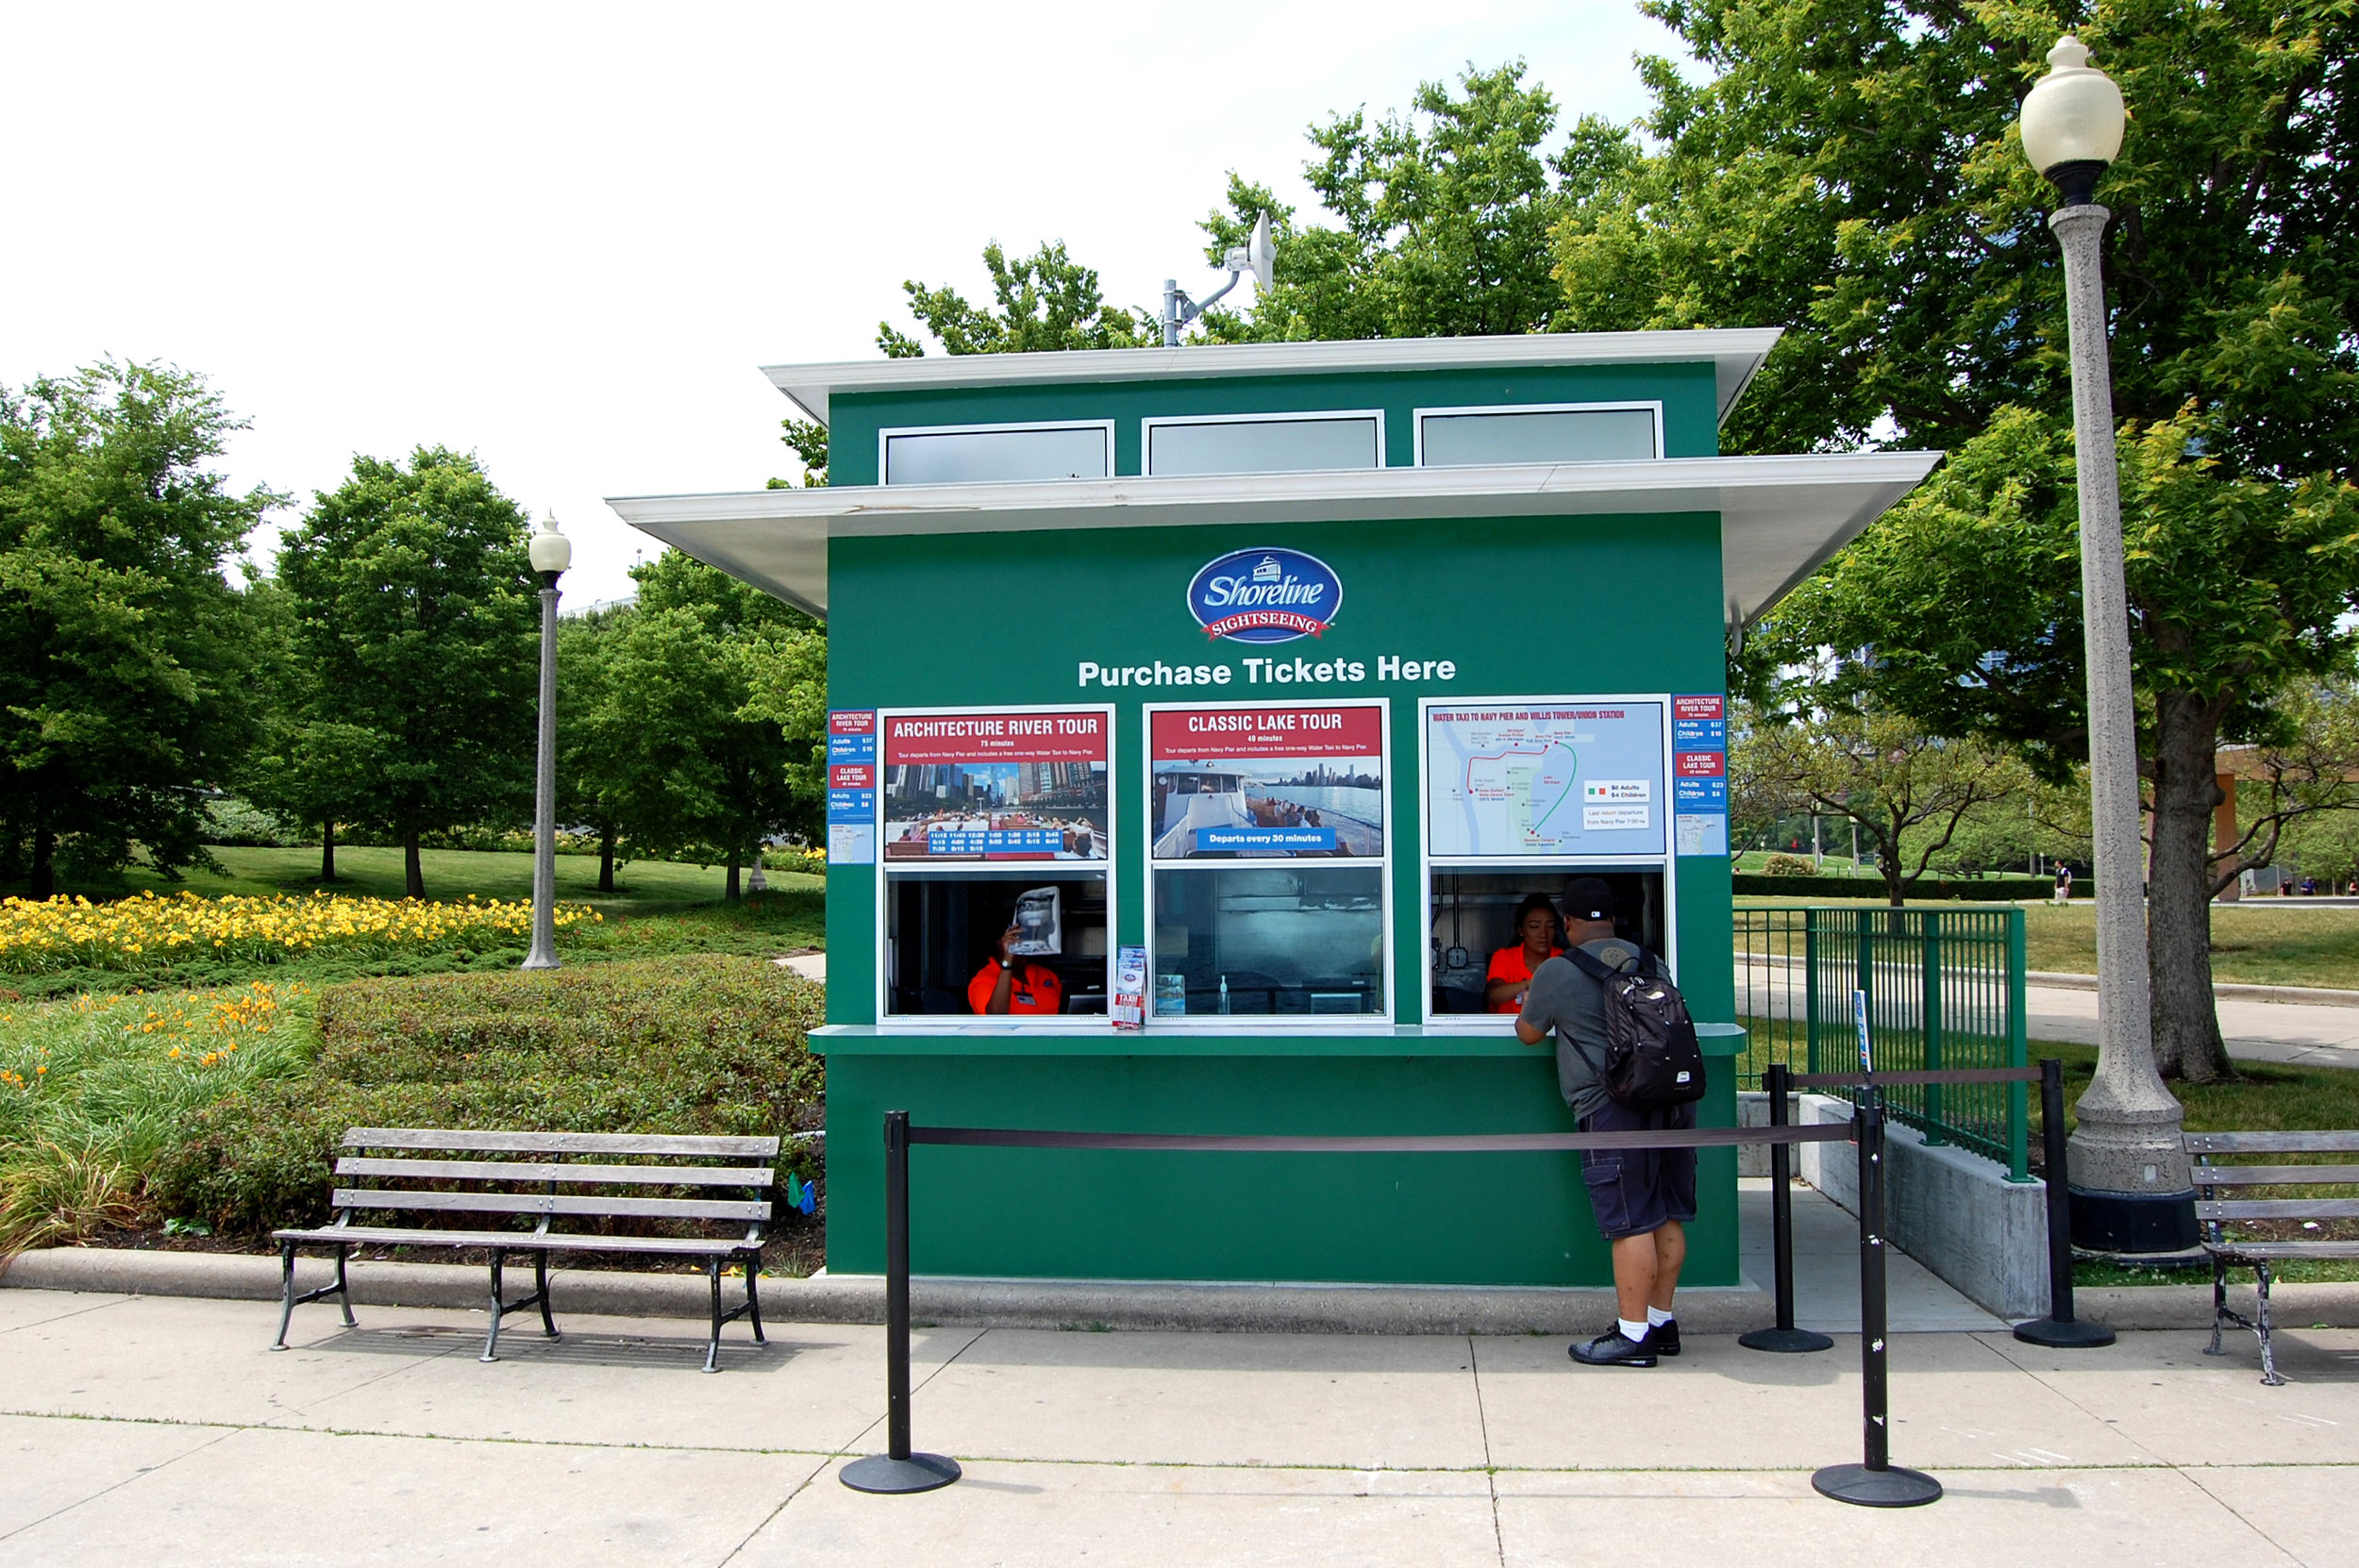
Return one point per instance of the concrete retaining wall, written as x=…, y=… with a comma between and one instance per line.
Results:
x=1954, y=1212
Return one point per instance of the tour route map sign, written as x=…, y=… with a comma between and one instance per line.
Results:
x=1540, y=780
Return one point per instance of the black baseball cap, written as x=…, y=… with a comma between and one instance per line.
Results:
x=1587, y=898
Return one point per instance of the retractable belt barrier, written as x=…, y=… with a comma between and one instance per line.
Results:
x=1875, y=1482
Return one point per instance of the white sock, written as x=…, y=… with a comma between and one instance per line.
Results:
x=1631, y=1331
x=1657, y=1317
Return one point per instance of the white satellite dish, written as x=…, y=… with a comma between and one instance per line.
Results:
x=1256, y=256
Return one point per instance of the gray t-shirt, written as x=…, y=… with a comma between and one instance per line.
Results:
x=1565, y=1000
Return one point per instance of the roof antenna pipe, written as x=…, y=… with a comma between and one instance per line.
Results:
x=1255, y=256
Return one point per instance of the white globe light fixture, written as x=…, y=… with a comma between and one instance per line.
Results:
x=551, y=551
x=2072, y=121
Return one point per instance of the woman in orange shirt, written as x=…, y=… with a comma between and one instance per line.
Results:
x=1510, y=974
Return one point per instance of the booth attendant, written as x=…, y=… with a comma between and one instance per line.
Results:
x=1510, y=971
x=1008, y=984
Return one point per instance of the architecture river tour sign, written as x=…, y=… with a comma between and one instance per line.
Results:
x=1245, y=690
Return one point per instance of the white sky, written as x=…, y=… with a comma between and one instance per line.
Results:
x=565, y=237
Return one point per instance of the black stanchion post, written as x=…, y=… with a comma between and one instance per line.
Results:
x=2059, y=1330
x=1784, y=1338
x=1877, y=1482
x=898, y=1469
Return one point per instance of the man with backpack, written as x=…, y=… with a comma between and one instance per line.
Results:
x=1625, y=1061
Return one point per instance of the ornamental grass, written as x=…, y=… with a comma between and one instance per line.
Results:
x=146, y=932
x=96, y=1090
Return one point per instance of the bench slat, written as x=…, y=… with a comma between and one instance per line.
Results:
x=2279, y=1208
x=2275, y=1176
x=516, y=1241
x=560, y=1143
x=2232, y=1251
x=549, y=1203
x=501, y=1170
x=2272, y=1142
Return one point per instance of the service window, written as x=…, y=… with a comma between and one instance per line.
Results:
x=1268, y=845
x=998, y=827
x=1590, y=433
x=1521, y=796
x=1264, y=444
x=989, y=453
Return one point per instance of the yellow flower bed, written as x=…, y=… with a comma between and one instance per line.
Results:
x=148, y=932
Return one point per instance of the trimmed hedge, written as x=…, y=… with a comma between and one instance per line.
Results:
x=1973, y=889
x=707, y=1044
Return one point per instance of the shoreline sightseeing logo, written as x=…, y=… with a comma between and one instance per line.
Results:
x=1266, y=597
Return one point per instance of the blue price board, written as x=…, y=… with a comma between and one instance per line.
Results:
x=1700, y=735
x=1700, y=795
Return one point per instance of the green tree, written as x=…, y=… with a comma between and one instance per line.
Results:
x=2240, y=593
x=593, y=731
x=305, y=769
x=690, y=762
x=1046, y=301
x=1909, y=790
x=1442, y=218
x=1852, y=172
x=417, y=618
x=125, y=684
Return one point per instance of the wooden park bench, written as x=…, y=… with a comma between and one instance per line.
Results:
x=440, y=1172
x=2220, y=1197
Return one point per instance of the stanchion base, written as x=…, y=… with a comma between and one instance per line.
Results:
x=2076, y=1335
x=883, y=1472
x=1891, y=1488
x=1785, y=1342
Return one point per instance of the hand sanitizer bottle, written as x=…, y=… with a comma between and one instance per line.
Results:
x=1223, y=993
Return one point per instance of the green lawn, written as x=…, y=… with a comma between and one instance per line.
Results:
x=2264, y=942
x=370, y=872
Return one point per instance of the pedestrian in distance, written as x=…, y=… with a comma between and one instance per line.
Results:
x=2064, y=884
x=1643, y=1198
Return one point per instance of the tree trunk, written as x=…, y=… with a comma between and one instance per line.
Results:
x=414, y=874
x=731, y=892
x=2188, y=1042
x=1887, y=864
x=327, y=852
x=606, y=859
x=44, y=864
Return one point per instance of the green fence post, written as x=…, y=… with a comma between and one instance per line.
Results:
x=1810, y=986
x=2018, y=1055
x=1931, y=965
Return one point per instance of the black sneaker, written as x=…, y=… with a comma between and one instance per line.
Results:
x=1613, y=1350
x=1663, y=1338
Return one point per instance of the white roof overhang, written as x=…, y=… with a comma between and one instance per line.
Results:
x=1736, y=354
x=1781, y=516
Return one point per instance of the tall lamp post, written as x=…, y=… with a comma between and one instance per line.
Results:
x=551, y=551
x=2131, y=1187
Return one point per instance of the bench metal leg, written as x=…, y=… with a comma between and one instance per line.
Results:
x=712, y=1347
x=541, y=1289
x=2269, y=1360
x=491, y=1340
x=2220, y=1308
x=753, y=1299
x=290, y=1300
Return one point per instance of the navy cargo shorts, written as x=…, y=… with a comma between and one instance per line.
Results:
x=1635, y=1192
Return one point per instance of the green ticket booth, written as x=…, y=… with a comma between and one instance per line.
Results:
x=1256, y=685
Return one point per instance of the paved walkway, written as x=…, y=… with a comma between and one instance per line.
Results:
x=2312, y=1034
x=159, y=1430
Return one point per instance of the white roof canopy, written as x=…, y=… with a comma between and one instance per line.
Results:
x=1735, y=353
x=1781, y=516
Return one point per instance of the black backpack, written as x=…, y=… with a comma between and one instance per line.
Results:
x=1652, y=1061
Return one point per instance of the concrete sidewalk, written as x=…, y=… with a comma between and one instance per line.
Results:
x=158, y=1431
